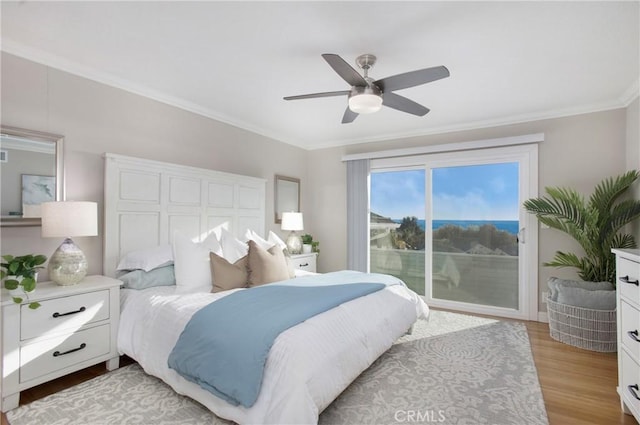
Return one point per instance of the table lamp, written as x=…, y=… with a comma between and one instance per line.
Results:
x=293, y=221
x=68, y=264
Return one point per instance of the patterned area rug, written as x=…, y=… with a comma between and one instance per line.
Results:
x=454, y=369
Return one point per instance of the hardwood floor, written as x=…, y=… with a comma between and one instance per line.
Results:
x=578, y=386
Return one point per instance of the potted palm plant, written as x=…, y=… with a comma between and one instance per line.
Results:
x=20, y=275
x=596, y=224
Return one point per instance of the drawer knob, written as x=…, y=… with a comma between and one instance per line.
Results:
x=634, y=335
x=303, y=265
x=73, y=350
x=626, y=279
x=56, y=314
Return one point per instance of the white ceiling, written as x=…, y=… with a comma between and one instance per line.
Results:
x=234, y=61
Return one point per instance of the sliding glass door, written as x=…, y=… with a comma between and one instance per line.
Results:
x=451, y=226
x=397, y=225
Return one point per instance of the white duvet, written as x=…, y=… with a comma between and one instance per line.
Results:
x=308, y=366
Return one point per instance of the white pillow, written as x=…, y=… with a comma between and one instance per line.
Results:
x=250, y=235
x=147, y=259
x=233, y=248
x=275, y=239
x=191, y=260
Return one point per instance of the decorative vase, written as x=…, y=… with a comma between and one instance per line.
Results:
x=68, y=264
x=294, y=243
x=306, y=248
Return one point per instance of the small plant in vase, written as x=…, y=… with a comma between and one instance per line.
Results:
x=307, y=243
x=20, y=274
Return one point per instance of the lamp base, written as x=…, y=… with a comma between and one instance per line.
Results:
x=294, y=243
x=67, y=265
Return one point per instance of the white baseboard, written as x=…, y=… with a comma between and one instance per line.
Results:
x=542, y=317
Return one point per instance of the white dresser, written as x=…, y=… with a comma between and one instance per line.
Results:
x=628, y=294
x=74, y=327
x=306, y=262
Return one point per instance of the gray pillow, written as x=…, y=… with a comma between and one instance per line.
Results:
x=585, y=298
x=139, y=279
x=554, y=283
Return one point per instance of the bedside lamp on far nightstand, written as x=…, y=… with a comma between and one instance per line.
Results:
x=68, y=264
x=293, y=221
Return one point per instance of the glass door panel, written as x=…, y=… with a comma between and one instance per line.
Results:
x=474, y=243
x=397, y=225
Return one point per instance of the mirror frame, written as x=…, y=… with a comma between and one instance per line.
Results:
x=277, y=180
x=7, y=221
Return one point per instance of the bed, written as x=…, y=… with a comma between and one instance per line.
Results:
x=309, y=364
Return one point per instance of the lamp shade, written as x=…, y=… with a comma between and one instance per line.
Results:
x=292, y=221
x=365, y=103
x=69, y=219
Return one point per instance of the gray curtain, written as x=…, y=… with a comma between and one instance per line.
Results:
x=358, y=215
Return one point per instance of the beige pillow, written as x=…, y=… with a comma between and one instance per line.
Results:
x=227, y=276
x=266, y=266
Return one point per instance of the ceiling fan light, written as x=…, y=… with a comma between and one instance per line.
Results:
x=365, y=103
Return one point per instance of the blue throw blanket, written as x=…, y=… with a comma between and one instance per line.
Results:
x=224, y=346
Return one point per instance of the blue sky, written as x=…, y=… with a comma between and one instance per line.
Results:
x=478, y=192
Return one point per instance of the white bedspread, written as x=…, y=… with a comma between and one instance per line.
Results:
x=308, y=366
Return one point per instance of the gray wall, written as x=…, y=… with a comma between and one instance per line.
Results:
x=578, y=152
x=95, y=118
x=633, y=153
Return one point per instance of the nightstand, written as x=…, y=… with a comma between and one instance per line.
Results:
x=306, y=262
x=74, y=327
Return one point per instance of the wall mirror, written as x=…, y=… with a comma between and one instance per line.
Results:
x=31, y=172
x=287, y=196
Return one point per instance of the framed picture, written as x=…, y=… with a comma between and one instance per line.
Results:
x=36, y=190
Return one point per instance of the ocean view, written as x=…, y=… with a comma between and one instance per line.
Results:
x=510, y=226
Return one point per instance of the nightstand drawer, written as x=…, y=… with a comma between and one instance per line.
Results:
x=304, y=262
x=46, y=356
x=629, y=383
x=630, y=329
x=63, y=314
x=628, y=275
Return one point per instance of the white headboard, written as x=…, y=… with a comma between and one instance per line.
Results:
x=147, y=201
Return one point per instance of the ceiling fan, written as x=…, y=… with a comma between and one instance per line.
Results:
x=368, y=95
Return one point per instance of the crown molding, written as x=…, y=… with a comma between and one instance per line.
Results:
x=631, y=93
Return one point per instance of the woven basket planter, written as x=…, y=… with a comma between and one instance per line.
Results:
x=593, y=330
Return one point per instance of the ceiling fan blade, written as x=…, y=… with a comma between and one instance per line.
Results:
x=403, y=104
x=344, y=70
x=349, y=116
x=413, y=78
x=313, y=95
